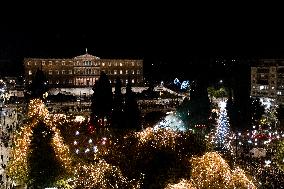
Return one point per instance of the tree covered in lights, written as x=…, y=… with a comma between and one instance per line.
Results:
x=222, y=131
x=102, y=100
x=44, y=168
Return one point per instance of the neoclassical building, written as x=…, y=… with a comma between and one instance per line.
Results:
x=84, y=70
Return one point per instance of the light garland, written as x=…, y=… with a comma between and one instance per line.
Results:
x=211, y=171
x=18, y=167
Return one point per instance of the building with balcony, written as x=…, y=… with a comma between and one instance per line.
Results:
x=84, y=70
x=267, y=79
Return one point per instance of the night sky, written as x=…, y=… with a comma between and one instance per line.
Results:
x=168, y=41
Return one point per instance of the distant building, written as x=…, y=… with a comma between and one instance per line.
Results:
x=267, y=79
x=84, y=70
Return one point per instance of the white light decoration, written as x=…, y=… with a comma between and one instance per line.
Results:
x=172, y=122
x=79, y=119
x=95, y=149
x=77, y=133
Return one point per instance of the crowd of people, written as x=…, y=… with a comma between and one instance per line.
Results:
x=9, y=122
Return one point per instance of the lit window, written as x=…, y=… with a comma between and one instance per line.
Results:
x=29, y=63
x=115, y=64
x=253, y=87
x=63, y=72
x=110, y=81
x=50, y=63
x=133, y=72
x=30, y=72
x=120, y=64
x=132, y=81
x=272, y=87
x=120, y=71
x=138, y=71
x=114, y=72
x=126, y=81
x=109, y=64
x=50, y=72
x=279, y=92
x=126, y=71
x=70, y=72
x=132, y=63
x=57, y=82
x=35, y=63
x=43, y=62
x=63, y=63
x=262, y=87
x=57, y=72
x=103, y=64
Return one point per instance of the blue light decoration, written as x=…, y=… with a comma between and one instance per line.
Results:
x=182, y=85
x=176, y=81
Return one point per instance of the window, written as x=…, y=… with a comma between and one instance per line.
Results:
x=126, y=81
x=133, y=72
x=110, y=81
x=115, y=64
x=50, y=72
x=272, y=87
x=138, y=71
x=120, y=71
x=109, y=64
x=114, y=72
x=103, y=64
x=262, y=87
x=43, y=62
x=29, y=63
x=63, y=72
x=57, y=72
x=132, y=81
x=50, y=81
x=70, y=72
x=35, y=63
x=63, y=63
x=132, y=63
x=109, y=72
x=120, y=64
x=57, y=82
x=126, y=71
x=30, y=72
x=50, y=63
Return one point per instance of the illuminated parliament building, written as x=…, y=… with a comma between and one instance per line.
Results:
x=84, y=70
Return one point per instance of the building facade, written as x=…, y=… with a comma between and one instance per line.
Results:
x=267, y=79
x=84, y=70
